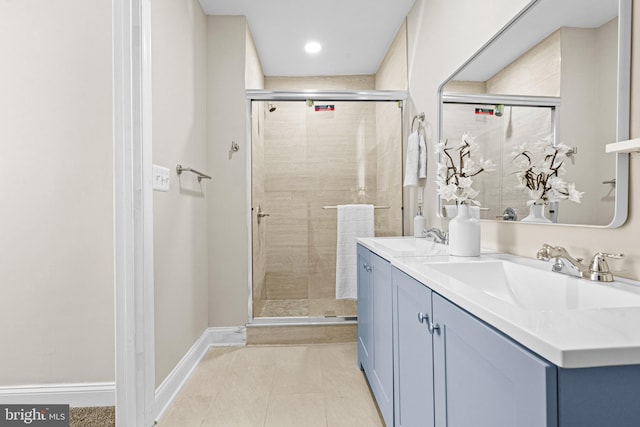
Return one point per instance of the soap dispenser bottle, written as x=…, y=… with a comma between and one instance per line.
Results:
x=419, y=223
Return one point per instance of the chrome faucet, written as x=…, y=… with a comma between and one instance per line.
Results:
x=560, y=254
x=438, y=235
x=598, y=270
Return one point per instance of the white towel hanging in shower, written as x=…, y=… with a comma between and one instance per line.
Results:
x=353, y=221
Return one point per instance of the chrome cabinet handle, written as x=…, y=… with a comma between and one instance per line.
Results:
x=433, y=327
x=422, y=318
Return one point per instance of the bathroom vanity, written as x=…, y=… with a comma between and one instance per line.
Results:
x=493, y=341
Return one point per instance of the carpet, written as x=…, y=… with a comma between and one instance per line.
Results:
x=97, y=416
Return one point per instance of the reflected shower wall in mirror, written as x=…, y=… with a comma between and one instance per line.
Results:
x=573, y=62
x=498, y=130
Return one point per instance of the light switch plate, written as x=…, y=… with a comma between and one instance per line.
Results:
x=160, y=178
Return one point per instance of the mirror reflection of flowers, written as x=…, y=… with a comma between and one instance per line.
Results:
x=456, y=166
x=540, y=169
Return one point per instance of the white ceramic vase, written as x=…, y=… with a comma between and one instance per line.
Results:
x=536, y=214
x=464, y=233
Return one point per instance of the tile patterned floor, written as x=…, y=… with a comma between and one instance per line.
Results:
x=276, y=386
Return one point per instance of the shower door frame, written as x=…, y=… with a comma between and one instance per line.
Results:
x=252, y=95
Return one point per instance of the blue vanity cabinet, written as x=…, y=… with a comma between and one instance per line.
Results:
x=430, y=363
x=365, y=318
x=413, y=352
x=484, y=379
x=381, y=379
x=375, y=334
x=599, y=396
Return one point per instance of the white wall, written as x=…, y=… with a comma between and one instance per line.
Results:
x=442, y=35
x=254, y=76
x=434, y=54
x=391, y=75
x=56, y=214
x=228, y=227
x=180, y=215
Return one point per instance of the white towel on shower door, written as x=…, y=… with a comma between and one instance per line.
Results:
x=353, y=221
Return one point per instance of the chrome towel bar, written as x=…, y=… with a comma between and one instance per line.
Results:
x=375, y=207
x=201, y=176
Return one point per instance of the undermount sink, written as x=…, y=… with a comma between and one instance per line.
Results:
x=411, y=246
x=532, y=288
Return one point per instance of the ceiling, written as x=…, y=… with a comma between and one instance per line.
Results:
x=355, y=34
x=542, y=19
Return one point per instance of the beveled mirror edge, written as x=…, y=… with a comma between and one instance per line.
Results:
x=621, y=208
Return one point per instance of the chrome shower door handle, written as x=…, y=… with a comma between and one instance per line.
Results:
x=261, y=214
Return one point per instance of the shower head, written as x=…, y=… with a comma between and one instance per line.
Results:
x=271, y=107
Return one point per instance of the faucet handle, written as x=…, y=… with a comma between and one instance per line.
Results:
x=607, y=255
x=544, y=253
x=599, y=269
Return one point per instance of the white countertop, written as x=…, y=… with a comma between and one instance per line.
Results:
x=569, y=338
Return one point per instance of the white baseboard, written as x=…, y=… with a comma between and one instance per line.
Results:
x=104, y=394
x=74, y=395
x=211, y=337
x=227, y=336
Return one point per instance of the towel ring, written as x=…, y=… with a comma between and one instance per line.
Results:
x=420, y=118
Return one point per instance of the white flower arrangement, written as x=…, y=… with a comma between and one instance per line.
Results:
x=456, y=167
x=541, y=167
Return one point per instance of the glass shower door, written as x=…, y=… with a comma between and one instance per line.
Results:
x=313, y=157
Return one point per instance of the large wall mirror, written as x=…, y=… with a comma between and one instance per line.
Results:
x=555, y=80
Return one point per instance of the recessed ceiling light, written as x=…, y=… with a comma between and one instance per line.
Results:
x=313, y=47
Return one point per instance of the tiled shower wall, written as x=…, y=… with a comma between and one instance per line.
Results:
x=389, y=169
x=318, y=158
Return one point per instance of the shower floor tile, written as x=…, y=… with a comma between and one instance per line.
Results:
x=314, y=307
x=283, y=308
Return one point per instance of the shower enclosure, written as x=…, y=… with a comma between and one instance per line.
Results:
x=309, y=156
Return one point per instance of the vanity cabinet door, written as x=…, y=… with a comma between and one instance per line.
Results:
x=484, y=379
x=413, y=352
x=381, y=379
x=375, y=333
x=365, y=320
